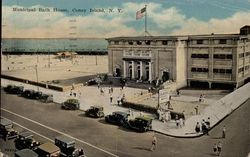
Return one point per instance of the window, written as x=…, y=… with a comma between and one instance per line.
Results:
x=139, y=42
x=247, y=53
x=223, y=71
x=247, y=67
x=130, y=42
x=147, y=42
x=116, y=43
x=222, y=41
x=240, y=69
x=229, y=56
x=199, y=56
x=164, y=42
x=241, y=55
x=229, y=71
x=199, y=41
x=199, y=69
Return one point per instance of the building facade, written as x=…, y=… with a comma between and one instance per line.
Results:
x=208, y=60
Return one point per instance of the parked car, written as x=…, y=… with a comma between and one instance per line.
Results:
x=141, y=124
x=25, y=140
x=71, y=104
x=95, y=111
x=12, y=89
x=48, y=150
x=118, y=118
x=37, y=95
x=91, y=82
x=46, y=98
x=26, y=153
x=67, y=147
x=28, y=93
x=6, y=130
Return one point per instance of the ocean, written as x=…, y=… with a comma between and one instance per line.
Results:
x=53, y=45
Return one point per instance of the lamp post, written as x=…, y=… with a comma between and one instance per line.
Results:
x=37, y=77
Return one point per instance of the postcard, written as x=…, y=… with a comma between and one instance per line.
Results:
x=125, y=78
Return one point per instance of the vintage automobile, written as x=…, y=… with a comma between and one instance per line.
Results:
x=6, y=130
x=95, y=111
x=118, y=118
x=25, y=140
x=48, y=150
x=141, y=124
x=46, y=98
x=28, y=93
x=26, y=153
x=71, y=104
x=12, y=89
x=67, y=147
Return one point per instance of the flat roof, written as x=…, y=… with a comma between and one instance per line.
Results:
x=175, y=37
x=49, y=147
x=65, y=139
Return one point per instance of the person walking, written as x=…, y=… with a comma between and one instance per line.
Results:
x=197, y=110
x=111, y=99
x=197, y=127
x=215, y=149
x=224, y=132
x=219, y=146
x=154, y=143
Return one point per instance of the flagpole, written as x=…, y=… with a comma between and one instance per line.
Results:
x=146, y=20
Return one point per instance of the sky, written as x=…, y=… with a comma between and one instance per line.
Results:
x=164, y=17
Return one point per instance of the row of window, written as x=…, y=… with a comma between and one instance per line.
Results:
x=241, y=55
x=223, y=71
x=242, y=68
x=217, y=56
x=221, y=41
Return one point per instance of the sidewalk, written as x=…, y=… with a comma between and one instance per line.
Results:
x=215, y=109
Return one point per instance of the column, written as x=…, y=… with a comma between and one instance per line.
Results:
x=124, y=69
x=210, y=85
x=133, y=69
x=150, y=72
x=141, y=72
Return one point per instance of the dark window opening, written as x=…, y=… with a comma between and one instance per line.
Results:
x=222, y=41
x=199, y=56
x=223, y=71
x=116, y=42
x=165, y=42
x=199, y=41
x=229, y=56
x=148, y=42
x=130, y=42
x=241, y=55
x=199, y=69
x=139, y=42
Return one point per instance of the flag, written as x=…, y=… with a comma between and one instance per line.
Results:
x=140, y=13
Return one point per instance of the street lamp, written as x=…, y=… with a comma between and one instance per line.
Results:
x=37, y=77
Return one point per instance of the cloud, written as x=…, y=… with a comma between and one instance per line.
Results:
x=161, y=21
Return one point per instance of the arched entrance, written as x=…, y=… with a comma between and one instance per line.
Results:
x=118, y=72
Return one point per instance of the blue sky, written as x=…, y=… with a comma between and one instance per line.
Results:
x=165, y=17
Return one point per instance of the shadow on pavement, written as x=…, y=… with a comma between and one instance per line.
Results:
x=142, y=148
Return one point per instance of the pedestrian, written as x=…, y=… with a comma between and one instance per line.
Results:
x=177, y=120
x=98, y=85
x=118, y=101
x=111, y=99
x=208, y=125
x=154, y=143
x=197, y=110
x=215, y=149
x=197, y=127
x=111, y=89
x=178, y=92
x=200, y=98
x=181, y=122
x=224, y=132
x=102, y=92
x=219, y=146
x=74, y=94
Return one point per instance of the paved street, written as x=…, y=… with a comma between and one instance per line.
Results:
x=101, y=139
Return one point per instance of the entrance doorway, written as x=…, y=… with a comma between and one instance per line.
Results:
x=147, y=73
x=165, y=76
x=118, y=72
